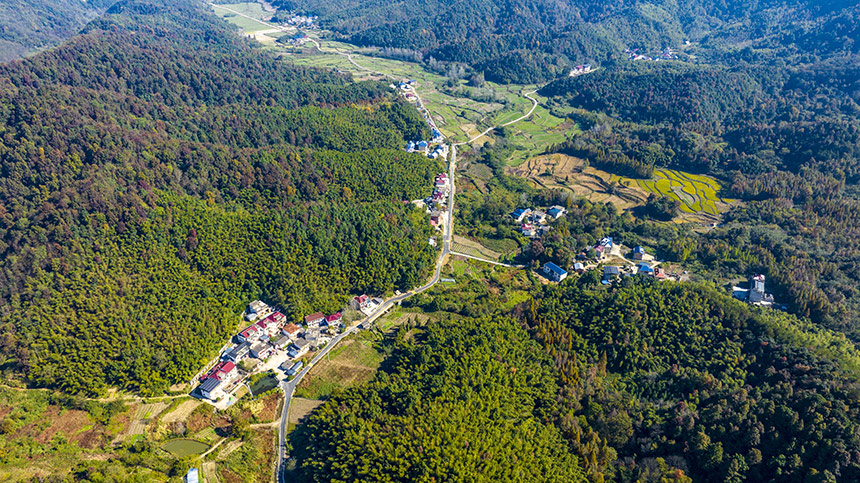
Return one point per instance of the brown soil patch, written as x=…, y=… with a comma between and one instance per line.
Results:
x=230, y=477
x=181, y=412
x=567, y=173
x=206, y=418
x=271, y=403
x=300, y=408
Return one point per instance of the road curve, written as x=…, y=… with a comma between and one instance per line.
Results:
x=526, y=115
x=289, y=387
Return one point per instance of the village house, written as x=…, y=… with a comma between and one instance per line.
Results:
x=209, y=387
x=292, y=369
x=554, y=272
x=610, y=272
x=520, y=214
x=578, y=267
x=556, y=212
x=538, y=217
x=334, y=321
x=298, y=348
x=249, y=334
x=638, y=253
x=291, y=330
x=527, y=230
x=261, y=350
x=239, y=352
x=360, y=302
x=282, y=343
x=314, y=320
x=222, y=371
x=644, y=269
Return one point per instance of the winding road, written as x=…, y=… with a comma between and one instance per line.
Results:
x=289, y=387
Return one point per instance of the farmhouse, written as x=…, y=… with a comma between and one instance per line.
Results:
x=314, y=320
x=360, y=302
x=554, y=272
x=519, y=214
x=334, y=320
x=208, y=387
x=556, y=212
x=638, y=253
x=239, y=352
x=578, y=267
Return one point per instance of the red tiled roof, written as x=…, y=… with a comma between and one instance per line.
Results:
x=334, y=317
x=313, y=317
x=291, y=328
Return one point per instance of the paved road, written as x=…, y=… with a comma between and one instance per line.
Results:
x=289, y=387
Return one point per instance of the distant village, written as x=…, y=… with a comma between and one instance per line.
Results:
x=580, y=70
x=667, y=54
x=270, y=343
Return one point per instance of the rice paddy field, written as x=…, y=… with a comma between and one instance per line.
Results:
x=699, y=195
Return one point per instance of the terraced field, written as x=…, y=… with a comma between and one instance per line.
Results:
x=699, y=195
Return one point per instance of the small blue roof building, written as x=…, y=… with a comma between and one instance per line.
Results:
x=645, y=268
x=421, y=144
x=192, y=476
x=638, y=249
x=554, y=272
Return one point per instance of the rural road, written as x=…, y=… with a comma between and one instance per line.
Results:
x=289, y=387
x=487, y=261
x=525, y=116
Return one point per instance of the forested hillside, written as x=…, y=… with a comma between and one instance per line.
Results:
x=158, y=173
x=644, y=381
x=524, y=42
x=32, y=25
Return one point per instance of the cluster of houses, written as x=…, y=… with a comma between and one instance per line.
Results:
x=407, y=89
x=440, y=151
x=581, y=69
x=667, y=54
x=437, y=202
x=268, y=332
x=756, y=294
x=299, y=38
x=533, y=223
x=301, y=20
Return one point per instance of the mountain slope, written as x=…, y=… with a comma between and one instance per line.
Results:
x=158, y=173
x=32, y=25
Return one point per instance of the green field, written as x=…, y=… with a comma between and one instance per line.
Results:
x=353, y=362
x=251, y=9
x=697, y=193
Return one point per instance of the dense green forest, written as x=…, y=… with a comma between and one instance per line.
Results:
x=533, y=41
x=33, y=25
x=159, y=172
x=644, y=381
x=470, y=402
